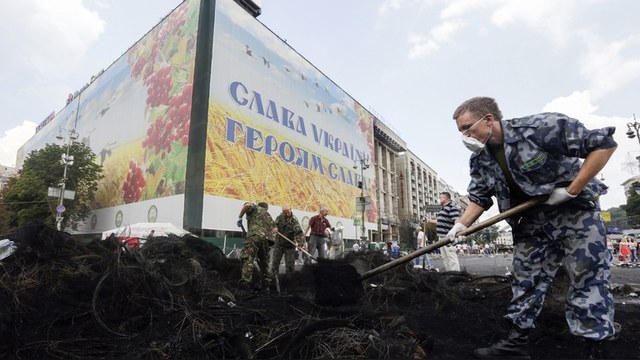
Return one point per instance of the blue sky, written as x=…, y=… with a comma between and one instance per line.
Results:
x=409, y=61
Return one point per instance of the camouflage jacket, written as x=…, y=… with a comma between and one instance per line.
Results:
x=288, y=226
x=259, y=223
x=542, y=151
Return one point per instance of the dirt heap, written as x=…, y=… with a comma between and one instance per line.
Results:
x=178, y=298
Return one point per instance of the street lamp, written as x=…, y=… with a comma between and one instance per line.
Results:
x=632, y=132
x=364, y=165
x=66, y=161
x=635, y=125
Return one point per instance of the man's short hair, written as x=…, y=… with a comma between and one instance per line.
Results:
x=264, y=205
x=447, y=194
x=480, y=106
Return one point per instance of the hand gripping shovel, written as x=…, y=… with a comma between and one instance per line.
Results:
x=338, y=292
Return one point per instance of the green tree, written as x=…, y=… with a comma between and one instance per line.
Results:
x=5, y=215
x=632, y=209
x=618, y=218
x=26, y=198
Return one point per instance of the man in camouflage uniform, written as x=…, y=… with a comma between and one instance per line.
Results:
x=260, y=231
x=540, y=155
x=287, y=225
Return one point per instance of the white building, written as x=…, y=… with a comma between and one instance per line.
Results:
x=5, y=173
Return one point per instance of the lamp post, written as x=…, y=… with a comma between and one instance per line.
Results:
x=633, y=132
x=66, y=161
x=635, y=125
x=364, y=165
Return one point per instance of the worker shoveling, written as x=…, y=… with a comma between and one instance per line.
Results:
x=340, y=283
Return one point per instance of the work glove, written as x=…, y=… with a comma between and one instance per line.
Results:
x=451, y=235
x=558, y=196
x=239, y=222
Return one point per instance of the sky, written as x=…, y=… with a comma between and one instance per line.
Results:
x=410, y=62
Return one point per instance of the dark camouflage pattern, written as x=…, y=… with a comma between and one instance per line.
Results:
x=289, y=259
x=543, y=152
x=259, y=222
x=255, y=249
x=573, y=238
x=288, y=226
x=256, y=246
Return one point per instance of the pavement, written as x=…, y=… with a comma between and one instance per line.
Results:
x=500, y=264
x=482, y=265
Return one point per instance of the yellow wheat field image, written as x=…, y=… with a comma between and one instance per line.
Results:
x=234, y=171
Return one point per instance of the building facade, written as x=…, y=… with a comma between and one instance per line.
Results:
x=220, y=111
x=5, y=173
x=418, y=190
x=388, y=149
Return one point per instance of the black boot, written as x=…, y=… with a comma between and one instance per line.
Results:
x=515, y=346
x=596, y=349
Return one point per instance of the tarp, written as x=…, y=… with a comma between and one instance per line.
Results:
x=142, y=230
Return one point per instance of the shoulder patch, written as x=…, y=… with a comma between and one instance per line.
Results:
x=534, y=163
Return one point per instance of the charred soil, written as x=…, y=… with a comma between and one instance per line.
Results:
x=178, y=298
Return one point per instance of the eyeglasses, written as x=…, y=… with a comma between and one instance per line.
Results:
x=465, y=132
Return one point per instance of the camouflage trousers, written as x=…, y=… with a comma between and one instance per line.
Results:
x=289, y=259
x=570, y=237
x=255, y=248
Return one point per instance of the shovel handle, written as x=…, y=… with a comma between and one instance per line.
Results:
x=470, y=230
x=503, y=215
x=296, y=245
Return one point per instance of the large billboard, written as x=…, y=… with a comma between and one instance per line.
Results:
x=279, y=130
x=135, y=117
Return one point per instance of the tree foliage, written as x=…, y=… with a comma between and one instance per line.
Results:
x=618, y=218
x=632, y=209
x=26, y=196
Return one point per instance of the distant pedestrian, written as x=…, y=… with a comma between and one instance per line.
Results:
x=422, y=261
x=625, y=249
x=634, y=250
x=447, y=216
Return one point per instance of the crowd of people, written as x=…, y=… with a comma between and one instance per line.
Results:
x=625, y=250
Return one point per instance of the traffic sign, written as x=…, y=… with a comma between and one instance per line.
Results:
x=60, y=208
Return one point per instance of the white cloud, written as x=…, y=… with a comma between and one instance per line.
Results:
x=552, y=18
x=577, y=105
x=389, y=5
x=12, y=140
x=54, y=36
x=605, y=65
x=459, y=8
x=422, y=45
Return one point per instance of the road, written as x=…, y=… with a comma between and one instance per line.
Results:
x=500, y=264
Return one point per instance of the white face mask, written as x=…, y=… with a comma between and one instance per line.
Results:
x=474, y=144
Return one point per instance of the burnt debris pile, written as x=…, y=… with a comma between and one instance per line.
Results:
x=177, y=297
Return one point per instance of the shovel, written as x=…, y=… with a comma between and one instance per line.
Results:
x=348, y=289
x=470, y=230
x=299, y=248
